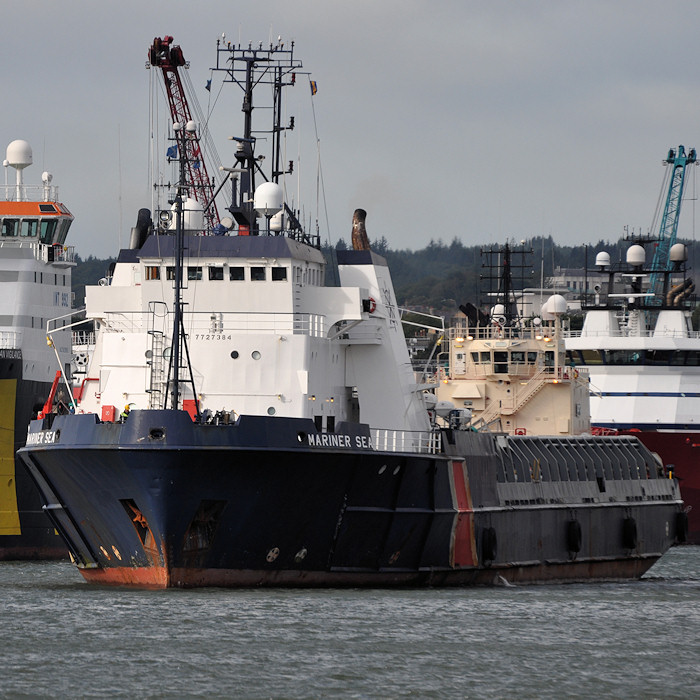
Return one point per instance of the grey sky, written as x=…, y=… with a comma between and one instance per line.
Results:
x=476, y=120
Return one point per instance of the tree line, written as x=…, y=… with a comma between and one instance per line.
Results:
x=440, y=276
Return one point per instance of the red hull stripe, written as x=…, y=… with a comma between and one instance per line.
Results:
x=463, y=552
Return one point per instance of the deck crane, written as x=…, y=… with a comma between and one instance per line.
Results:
x=162, y=54
x=669, y=221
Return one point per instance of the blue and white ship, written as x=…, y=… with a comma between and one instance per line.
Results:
x=242, y=423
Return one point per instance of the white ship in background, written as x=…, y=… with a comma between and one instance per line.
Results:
x=641, y=351
x=35, y=286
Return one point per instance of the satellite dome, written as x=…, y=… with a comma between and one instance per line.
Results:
x=602, y=259
x=636, y=255
x=678, y=253
x=268, y=199
x=556, y=304
x=192, y=215
x=19, y=154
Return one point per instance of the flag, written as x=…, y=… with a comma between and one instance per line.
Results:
x=314, y=87
x=195, y=165
x=208, y=86
x=171, y=152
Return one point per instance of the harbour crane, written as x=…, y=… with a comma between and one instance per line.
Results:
x=169, y=58
x=678, y=160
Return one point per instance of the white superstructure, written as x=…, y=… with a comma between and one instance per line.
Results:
x=35, y=264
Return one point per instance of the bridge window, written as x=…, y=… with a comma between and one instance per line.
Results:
x=500, y=362
x=194, y=273
x=152, y=272
x=46, y=230
x=9, y=227
x=236, y=274
x=63, y=230
x=279, y=274
x=257, y=274
x=28, y=228
x=216, y=273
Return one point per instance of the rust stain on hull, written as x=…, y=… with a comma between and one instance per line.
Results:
x=140, y=577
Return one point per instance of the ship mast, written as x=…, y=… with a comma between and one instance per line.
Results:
x=248, y=68
x=179, y=340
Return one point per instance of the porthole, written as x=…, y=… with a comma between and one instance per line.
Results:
x=255, y=354
x=234, y=354
x=271, y=411
x=149, y=355
x=301, y=436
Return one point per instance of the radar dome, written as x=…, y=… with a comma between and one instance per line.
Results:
x=602, y=259
x=678, y=253
x=19, y=154
x=556, y=304
x=192, y=215
x=636, y=256
x=546, y=312
x=268, y=199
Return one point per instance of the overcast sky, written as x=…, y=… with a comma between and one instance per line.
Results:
x=484, y=121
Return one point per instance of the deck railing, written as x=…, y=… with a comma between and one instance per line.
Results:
x=43, y=252
x=28, y=193
x=422, y=442
x=10, y=339
x=219, y=324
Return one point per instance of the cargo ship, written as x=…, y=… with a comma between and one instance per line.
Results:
x=242, y=423
x=35, y=278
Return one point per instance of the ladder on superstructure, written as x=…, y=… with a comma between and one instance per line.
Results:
x=157, y=374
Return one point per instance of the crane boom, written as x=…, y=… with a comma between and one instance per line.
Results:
x=669, y=221
x=162, y=54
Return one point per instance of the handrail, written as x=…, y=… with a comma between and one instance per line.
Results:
x=416, y=441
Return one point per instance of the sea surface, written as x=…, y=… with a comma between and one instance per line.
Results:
x=63, y=638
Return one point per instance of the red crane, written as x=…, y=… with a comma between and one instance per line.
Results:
x=169, y=59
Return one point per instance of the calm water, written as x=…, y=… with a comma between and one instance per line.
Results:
x=64, y=638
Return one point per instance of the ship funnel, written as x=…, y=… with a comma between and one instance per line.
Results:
x=359, y=232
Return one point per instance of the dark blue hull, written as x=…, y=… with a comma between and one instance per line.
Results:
x=161, y=501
